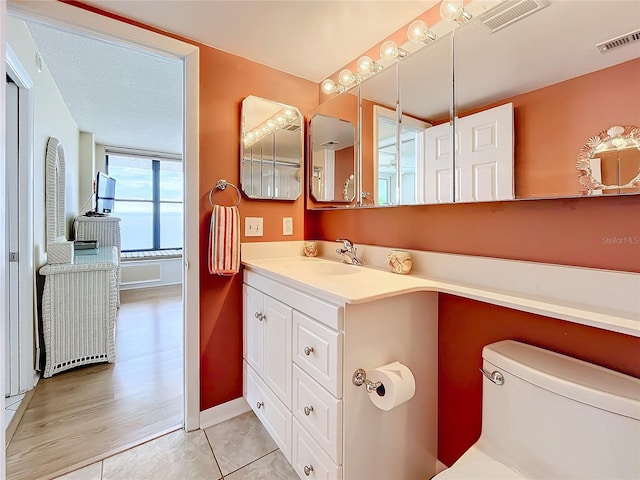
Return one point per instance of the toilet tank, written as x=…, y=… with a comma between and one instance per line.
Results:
x=559, y=417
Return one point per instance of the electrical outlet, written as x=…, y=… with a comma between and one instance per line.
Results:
x=287, y=226
x=253, y=227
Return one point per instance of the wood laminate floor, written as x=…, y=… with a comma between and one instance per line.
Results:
x=81, y=416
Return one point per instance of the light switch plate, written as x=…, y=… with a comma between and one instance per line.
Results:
x=287, y=226
x=253, y=227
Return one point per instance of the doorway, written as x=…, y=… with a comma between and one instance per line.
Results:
x=65, y=16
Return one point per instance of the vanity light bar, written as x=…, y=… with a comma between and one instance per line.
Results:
x=281, y=120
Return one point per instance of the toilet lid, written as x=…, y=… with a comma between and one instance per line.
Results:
x=479, y=470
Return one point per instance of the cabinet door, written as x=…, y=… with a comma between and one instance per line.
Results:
x=277, y=348
x=253, y=329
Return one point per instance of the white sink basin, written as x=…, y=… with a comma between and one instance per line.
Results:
x=322, y=268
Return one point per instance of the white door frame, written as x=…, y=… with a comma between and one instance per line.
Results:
x=3, y=249
x=86, y=23
x=26, y=274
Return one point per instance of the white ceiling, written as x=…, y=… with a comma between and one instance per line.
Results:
x=308, y=38
x=133, y=99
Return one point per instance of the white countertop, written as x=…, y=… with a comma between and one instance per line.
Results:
x=347, y=284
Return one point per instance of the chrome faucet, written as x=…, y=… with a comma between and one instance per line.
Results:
x=348, y=252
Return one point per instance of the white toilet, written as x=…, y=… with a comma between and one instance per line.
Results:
x=553, y=417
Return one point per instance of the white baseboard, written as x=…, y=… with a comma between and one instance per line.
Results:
x=221, y=413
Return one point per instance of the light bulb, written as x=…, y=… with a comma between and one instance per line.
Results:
x=289, y=113
x=366, y=66
x=418, y=32
x=390, y=50
x=328, y=86
x=250, y=135
x=264, y=129
x=271, y=124
x=453, y=11
x=346, y=77
x=280, y=120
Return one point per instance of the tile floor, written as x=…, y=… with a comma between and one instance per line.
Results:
x=238, y=449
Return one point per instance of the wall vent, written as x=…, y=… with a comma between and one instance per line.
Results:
x=292, y=128
x=618, y=42
x=508, y=12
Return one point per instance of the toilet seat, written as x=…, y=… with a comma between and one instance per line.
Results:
x=474, y=464
x=480, y=470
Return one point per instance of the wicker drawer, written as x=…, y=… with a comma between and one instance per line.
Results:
x=319, y=412
x=318, y=351
x=309, y=460
x=272, y=413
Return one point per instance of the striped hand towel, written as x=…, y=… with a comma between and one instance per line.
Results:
x=224, y=241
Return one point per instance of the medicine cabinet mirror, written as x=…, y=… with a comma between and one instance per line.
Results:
x=271, y=150
x=332, y=178
x=521, y=110
x=332, y=172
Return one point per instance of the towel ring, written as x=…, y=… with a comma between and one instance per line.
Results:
x=222, y=185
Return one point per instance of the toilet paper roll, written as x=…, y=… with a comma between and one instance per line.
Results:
x=398, y=385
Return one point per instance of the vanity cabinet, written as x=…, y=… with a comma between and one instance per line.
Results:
x=325, y=425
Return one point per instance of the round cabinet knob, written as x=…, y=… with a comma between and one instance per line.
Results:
x=259, y=405
x=260, y=316
x=308, y=351
x=308, y=410
x=308, y=469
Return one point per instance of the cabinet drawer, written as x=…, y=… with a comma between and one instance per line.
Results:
x=318, y=351
x=272, y=413
x=319, y=412
x=307, y=454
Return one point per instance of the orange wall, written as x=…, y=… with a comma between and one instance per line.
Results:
x=225, y=80
x=465, y=326
x=344, y=162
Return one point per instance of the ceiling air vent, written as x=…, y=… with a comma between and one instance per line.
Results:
x=292, y=128
x=508, y=12
x=329, y=143
x=618, y=42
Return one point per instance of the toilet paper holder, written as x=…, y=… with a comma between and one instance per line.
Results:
x=360, y=378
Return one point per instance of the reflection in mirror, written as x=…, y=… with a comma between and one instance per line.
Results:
x=331, y=165
x=562, y=88
x=426, y=131
x=609, y=162
x=378, y=130
x=332, y=159
x=271, y=150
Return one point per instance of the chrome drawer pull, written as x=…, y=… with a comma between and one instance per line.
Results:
x=308, y=469
x=308, y=351
x=495, y=376
x=259, y=405
x=308, y=410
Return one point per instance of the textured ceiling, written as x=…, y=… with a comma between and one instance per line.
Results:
x=125, y=97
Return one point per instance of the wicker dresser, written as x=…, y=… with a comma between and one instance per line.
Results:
x=106, y=230
x=79, y=308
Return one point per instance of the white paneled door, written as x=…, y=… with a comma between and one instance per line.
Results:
x=484, y=158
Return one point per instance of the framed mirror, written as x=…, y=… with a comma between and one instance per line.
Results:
x=332, y=180
x=562, y=75
x=55, y=178
x=332, y=153
x=271, y=150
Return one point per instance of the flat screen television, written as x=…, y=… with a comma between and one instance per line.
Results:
x=105, y=193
